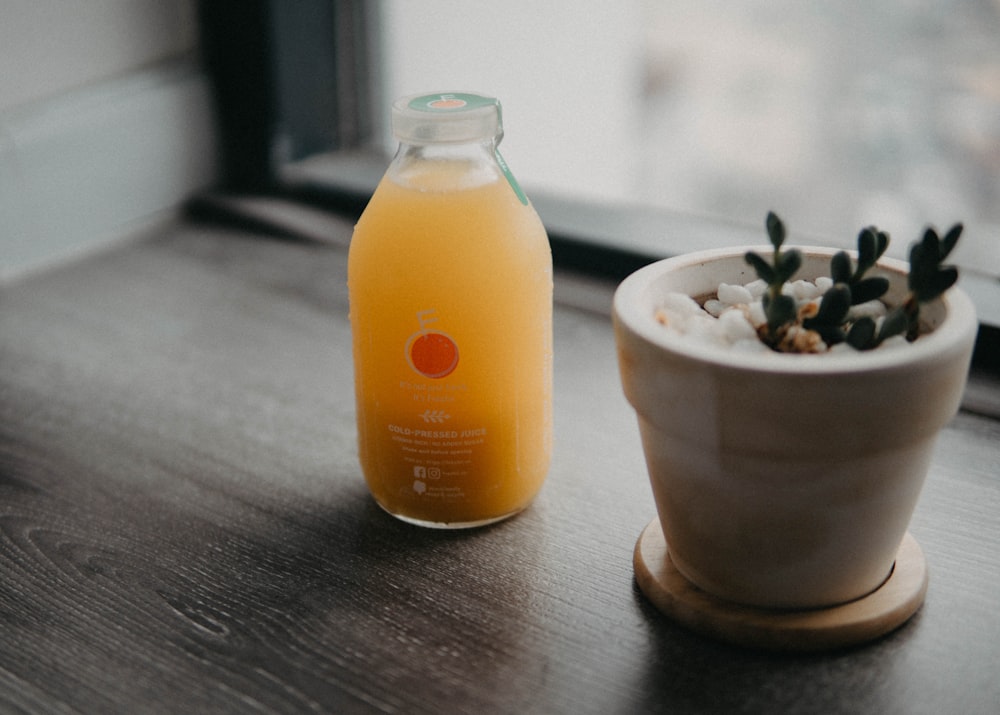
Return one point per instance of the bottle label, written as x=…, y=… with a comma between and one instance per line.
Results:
x=432, y=354
x=453, y=102
x=510, y=177
x=439, y=452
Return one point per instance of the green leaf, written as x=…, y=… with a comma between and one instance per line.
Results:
x=922, y=264
x=867, y=247
x=882, y=239
x=869, y=289
x=788, y=263
x=930, y=246
x=775, y=229
x=832, y=308
x=831, y=334
x=950, y=239
x=928, y=279
x=862, y=334
x=937, y=284
x=761, y=266
x=895, y=322
x=779, y=311
x=840, y=267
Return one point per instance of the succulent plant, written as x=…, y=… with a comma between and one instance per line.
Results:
x=830, y=320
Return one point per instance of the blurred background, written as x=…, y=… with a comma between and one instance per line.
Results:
x=836, y=115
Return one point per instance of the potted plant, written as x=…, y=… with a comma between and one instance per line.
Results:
x=784, y=483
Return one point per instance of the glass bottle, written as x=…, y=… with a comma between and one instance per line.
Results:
x=450, y=283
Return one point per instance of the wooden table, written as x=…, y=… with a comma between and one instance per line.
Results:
x=184, y=527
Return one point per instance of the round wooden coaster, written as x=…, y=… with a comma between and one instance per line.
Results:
x=854, y=623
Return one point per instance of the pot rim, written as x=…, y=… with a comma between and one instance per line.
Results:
x=634, y=307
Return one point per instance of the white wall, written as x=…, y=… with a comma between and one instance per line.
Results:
x=104, y=121
x=51, y=46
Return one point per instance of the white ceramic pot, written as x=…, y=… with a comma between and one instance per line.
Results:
x=785, y=481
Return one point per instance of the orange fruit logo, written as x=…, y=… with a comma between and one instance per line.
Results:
x=447, y=103
x=433, y=355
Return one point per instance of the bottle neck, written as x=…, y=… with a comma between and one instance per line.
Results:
x=446, y=165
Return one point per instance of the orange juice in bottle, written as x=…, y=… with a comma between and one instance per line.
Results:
x=450, y=281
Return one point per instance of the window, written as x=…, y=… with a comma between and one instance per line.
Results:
x=630, y=122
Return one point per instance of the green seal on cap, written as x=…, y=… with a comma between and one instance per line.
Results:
x=449, y=102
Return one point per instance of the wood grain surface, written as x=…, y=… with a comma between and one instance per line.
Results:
x=184, y=527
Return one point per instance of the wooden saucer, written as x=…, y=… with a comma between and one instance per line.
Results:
x=853, y=623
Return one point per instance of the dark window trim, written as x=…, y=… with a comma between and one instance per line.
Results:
x=283, y=90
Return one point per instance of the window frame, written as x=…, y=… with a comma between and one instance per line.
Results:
x=313, y=137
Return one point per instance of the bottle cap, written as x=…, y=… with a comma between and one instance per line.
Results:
x=446, y=117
